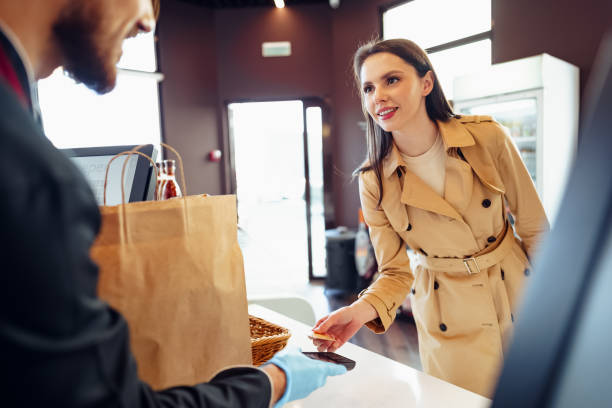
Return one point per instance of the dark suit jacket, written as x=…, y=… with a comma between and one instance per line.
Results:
x=60, y=345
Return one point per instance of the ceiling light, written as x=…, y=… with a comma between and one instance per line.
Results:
x=279, y=3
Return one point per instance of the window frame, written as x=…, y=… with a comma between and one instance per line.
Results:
x=485, y=35
x=440, y=47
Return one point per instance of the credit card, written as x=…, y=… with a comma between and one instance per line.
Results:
x=320, y=336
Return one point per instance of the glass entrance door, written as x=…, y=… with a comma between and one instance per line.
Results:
x=277, y=160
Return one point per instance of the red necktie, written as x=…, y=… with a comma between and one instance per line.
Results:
x=9, y=75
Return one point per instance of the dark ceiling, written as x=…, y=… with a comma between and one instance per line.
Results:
x=219, y=4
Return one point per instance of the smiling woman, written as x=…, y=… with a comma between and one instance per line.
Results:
x=433, y=191
x=392, y=61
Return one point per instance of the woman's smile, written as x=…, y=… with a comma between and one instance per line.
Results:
x=386, y=113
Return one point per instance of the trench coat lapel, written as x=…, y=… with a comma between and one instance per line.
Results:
x=459, y=179
x=481, y=161
x=415, y=192
x=455, y=134
x=418, y=194
x=458, y=183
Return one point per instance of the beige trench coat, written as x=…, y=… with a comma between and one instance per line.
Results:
x=463, y=320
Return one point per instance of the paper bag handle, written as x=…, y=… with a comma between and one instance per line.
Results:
x=135, y=151
x=127, y=153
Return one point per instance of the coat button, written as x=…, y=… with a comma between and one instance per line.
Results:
x=491, y=239
x=409, y=227
x=442, y=327
x=423, y=251
x=412, y=291
x=486, y=203
x=502, y=274
x=527, y=272
x=436, y=285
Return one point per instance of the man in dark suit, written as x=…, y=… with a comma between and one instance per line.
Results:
x=60, y=345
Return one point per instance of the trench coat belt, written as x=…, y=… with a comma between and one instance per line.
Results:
x=469, y=265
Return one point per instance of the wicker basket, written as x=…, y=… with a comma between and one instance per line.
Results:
x=266, y=339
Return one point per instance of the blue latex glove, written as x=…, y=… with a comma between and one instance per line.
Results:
x=304, y=375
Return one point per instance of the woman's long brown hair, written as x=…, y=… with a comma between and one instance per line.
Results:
x=379, y=142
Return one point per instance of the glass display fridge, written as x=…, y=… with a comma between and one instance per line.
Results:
x=536, y=99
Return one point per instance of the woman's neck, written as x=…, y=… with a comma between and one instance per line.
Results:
x=417, y=138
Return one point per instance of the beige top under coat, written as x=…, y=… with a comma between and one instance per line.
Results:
x=429, y=166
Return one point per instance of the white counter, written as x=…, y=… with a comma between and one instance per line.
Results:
x=376, y=381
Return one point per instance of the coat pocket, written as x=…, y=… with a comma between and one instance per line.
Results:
x=449, y=306
x=424, y=306
x=465, y=305
x=515, y=269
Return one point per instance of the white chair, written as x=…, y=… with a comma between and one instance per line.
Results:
x=293, y=306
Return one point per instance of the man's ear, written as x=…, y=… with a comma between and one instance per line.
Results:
x=428, y=83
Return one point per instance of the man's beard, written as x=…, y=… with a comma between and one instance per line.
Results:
x=84, y=60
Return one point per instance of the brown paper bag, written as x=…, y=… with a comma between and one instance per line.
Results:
x=175, y=271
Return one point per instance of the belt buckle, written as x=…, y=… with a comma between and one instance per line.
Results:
x=470, y=270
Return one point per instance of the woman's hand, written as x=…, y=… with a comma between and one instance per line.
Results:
x=343, y=324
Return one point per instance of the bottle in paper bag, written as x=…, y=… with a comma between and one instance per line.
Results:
x=169, y=187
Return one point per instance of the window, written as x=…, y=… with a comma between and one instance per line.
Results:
x=75, y=116
x=456, y=35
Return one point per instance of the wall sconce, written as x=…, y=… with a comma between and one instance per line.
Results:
x=279, y=3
